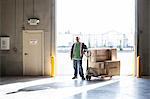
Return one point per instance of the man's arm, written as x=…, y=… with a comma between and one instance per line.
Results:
x=71, y=54
x=84, y=47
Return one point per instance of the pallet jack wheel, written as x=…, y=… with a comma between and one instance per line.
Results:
x=88, y=77
x=110, y=77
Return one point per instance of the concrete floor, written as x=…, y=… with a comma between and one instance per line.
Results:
x=66, y=88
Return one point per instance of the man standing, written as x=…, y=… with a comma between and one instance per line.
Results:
x=77, y=51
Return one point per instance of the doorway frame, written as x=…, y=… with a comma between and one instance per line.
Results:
x=136, y=38
x=42, y=42
x=136, y=32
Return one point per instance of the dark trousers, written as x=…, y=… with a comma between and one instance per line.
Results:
x=77, y=64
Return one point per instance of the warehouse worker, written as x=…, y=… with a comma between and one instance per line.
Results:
x=77, y=51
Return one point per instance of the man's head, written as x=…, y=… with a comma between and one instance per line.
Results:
x=77, y=39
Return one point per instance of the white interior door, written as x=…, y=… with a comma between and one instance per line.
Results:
x=32, y=53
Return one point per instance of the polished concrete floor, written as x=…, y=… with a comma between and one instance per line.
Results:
x=66, y=88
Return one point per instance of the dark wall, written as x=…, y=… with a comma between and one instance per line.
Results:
x=0, y=34
x=143, y=33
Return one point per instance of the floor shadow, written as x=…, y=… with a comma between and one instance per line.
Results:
x=56, y=85
x=10, y=80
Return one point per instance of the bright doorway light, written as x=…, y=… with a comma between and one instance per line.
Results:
x=99, y=23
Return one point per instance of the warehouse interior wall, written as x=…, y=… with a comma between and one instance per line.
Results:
x=147, y=70
x=13, y=20
x=14, y=16
x=143, y=32
x=0, y=34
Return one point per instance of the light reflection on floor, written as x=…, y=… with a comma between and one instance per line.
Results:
x=49, y=88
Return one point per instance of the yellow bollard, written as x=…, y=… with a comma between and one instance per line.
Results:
x=138, y=67
x=52, y=66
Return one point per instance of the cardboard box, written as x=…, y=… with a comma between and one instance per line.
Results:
x=100, y=55
x=96, y=71
x=97, y=65
x=102, y=72
x=95, y=52
x=92, y=59
x=104, y=61
x=101, y=58
x=98, y=58
x=97, y=68
x=103, y=52
x=113, y=54
x=93, y=71
x=112, y=67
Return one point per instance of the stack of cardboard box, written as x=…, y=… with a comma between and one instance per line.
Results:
x=104, y=61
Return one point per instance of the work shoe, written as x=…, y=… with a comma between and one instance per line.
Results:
x=83, y=78
x=74, y=77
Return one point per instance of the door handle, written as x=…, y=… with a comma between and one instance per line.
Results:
x=25, y=53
